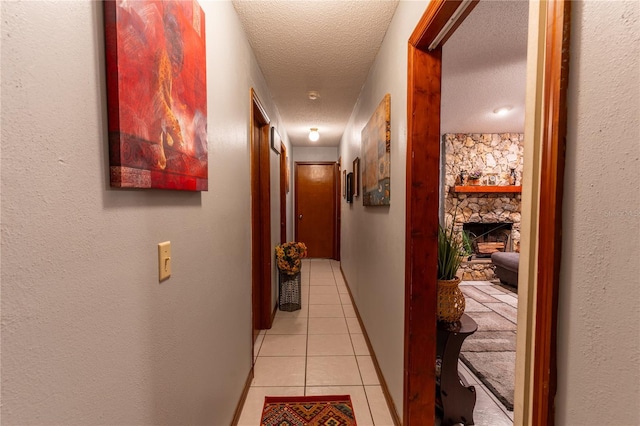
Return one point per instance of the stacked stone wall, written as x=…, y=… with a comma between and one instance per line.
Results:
x=495, y=154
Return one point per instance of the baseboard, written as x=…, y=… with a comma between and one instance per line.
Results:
x=383, y=384
x=243, y=397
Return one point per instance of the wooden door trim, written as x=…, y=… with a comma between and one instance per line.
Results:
x=337, y=189
x=422, y=184
x=260, y=217
x=283, y=193
x=295, y=195
x=556, y=73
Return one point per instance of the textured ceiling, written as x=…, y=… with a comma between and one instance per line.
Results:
x=326, y=46
x=484, y=68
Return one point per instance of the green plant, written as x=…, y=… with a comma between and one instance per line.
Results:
x=467, y=245
x=450, y=253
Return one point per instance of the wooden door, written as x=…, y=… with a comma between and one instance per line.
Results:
x=315, y=214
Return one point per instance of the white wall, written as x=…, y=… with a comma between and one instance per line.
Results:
x=599, y=306
x=303, y=153
x=89, y=336
x=373, y=244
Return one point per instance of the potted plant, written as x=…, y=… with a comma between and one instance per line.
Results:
x=451, y=253
x=289, y=260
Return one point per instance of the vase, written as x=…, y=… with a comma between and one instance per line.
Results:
x=289, y=298
x=451, y=303
x=473, y=182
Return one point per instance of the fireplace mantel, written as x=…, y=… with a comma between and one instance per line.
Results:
x=489, y=188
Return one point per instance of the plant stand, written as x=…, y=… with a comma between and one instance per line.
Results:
x=455, y=399
x=290, y=296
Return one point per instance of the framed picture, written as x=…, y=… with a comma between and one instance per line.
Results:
x=156, y=94
x=344, y=184
x=275, y=140
x=349, y=187
x=376, y=145
x=356, y=176
x=286, y=173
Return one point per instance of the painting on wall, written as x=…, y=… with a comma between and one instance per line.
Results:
x=156, y=94
x=356, y=177
x=276, y=141
x=376, y=147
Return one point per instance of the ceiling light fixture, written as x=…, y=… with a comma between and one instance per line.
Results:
x=502, y=110
x=450, y=23
x=313, y=95
x=314, y=135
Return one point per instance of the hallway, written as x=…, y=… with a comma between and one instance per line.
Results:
x=321, y=349
x=317, y=350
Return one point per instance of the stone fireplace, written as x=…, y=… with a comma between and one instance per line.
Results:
x=494, y=216
x=487, y=238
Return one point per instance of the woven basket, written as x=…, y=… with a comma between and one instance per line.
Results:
x=290, y=292
x=451, y=301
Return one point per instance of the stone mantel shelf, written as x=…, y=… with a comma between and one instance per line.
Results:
x=489, y=188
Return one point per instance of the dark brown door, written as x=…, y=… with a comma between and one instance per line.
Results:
x=316, y=208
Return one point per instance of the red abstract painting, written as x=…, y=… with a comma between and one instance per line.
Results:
x=157, y=94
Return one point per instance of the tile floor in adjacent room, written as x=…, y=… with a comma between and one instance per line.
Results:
x=320, y=349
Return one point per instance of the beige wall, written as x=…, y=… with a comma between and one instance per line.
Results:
x=599, y=309
x=89, y=336
x=372, y=248
x=599, y=313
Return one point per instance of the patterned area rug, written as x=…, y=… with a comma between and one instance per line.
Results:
x=308, y=411
x=490, y=352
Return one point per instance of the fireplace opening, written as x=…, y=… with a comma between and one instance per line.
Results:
x=487, y=238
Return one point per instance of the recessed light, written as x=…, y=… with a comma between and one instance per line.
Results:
x=313, y=95
x=502, y=110
x=314, y=135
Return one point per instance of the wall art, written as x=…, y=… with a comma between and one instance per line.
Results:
x=156, y=94
x=275, y=140
x=376, y=146
x=356, y=177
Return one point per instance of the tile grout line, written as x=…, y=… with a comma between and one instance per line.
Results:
x=353, y=347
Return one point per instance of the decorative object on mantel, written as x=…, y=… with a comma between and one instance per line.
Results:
x=474, y=177
x=512, y=176
x=451, y=251
x=289, y=260
x=156, y=94
x=462, y=177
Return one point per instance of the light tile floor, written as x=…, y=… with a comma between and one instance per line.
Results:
x=320, y=350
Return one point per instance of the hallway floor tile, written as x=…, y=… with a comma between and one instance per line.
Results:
x=321, y=350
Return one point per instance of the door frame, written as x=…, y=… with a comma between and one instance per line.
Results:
x=336, y=204
x=261, y=254
x=283, y=192
x=535, y=392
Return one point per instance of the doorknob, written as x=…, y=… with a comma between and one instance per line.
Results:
x=300, y=217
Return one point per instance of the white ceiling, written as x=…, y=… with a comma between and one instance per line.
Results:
x=328, y=46
x=484, y=68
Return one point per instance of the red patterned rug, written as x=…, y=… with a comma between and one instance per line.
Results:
x=334, y=410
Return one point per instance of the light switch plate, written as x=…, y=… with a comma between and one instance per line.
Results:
x=164, y=260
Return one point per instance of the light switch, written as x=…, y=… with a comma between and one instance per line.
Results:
x=164, y=260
